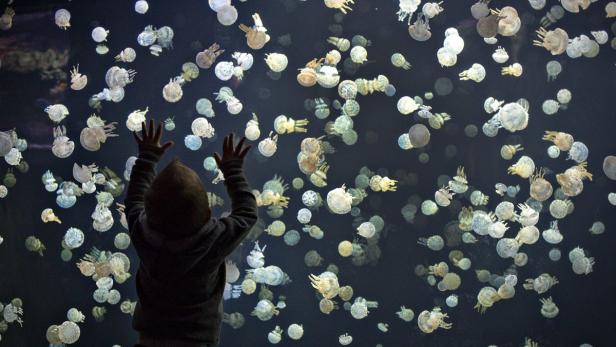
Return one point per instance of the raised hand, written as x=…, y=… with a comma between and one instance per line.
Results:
x=230, y=151
x=150, y=139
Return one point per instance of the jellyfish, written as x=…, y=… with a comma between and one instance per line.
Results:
x=609, y=167
x=420, y=29
x=265, y=310
x=205, y=59
x=475, y=73
x=500, y=55
x=398, y=60
x=553, y=69
x=419, y=135
x=407, y=105
x=202, y=128
x=57, y=112
x=277, y=62
x=92, y=136
x=62, y=146
x=227, y=15
x=141, y=6
x=572, y=180
x=342, y=5
x=62, y=18
x=507, y=247
x=487, y=26
x=172, y=91
x=555, y=13
x=524, y=167
x=33, y=244
x=429, y=321
x=559, y=208
x=562, y=140
x=509, y=22
x=480, y=9
x=578, y=152
x=537, y=4
x=514, y=70
x=540, y=188
x=339, y=200
x=446, y=57
x=541, y=284
x=78, y=81
x=287, y=125
x=256, y=36
x=574, y=6
x=117, y=77
x=508, y=151
x=555, y=41
x=99, y=34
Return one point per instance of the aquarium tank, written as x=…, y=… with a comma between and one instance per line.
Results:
x=412, y=173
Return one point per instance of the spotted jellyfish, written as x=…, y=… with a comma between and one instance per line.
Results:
x=56, y=112
x=135, y=118
x=514, y=70
x=429, y=321
x=572, y=180
x=524, y=167
x=540, y=188
x=562, y=140
x=420, y=29
x=202, y=128
x=580, y=263
x=141, y=6
x=172, y=91
x=475, y=73
x=407, y=105
x=359, y=55
x=287, y=125
x=96, y=133
x=487, y=26
x=252, y=131
x=227, y=14
x=256, y=36
x=359, y=308
x=500, y=55
x=62, y=146
x=406, y=314
x=509, y=22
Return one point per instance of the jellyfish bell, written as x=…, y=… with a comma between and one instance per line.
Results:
x=487, y=26
x=419, y=135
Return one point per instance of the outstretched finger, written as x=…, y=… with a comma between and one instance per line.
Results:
x=217, y=158
x=166, y=145
x=244, y=151
x=143, y=130
x=240, y=146
x=231, y=142
x=151, y=131
x=228, y=145
x=159, y=132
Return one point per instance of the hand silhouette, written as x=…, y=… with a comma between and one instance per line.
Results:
x=150, y=139
x=231, y=152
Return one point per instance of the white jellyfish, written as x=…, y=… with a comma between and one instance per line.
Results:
x=339, y=200
x=500, y=55
x=99, y=34
x=227, y=15
x=475, y=73
x=407, y=105
x=141, y=6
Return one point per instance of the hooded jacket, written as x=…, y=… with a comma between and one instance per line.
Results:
x=180, y=280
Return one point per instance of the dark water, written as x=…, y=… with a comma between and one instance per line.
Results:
x=49, y=286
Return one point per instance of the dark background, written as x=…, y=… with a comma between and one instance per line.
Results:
x=49, y=287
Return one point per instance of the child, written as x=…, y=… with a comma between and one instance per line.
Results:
x=181, y=275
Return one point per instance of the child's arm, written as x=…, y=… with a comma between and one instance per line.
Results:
x=143, y=172
x=243, y=203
